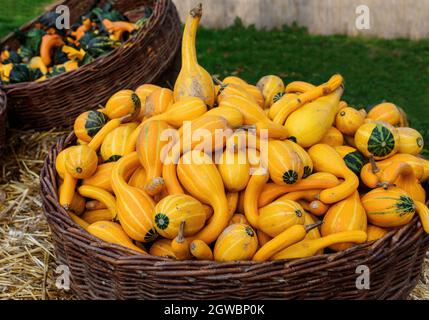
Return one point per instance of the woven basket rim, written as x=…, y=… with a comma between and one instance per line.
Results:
x=92, y=66
x=123, y=254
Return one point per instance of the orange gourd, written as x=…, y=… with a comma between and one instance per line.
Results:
x=386, y=112
x=49, y=42
x=200, y=250
x=87, y=124
x=234, y=169
x=138, y=179
x=101, y=195
x=92, y=216
x=250, y=200
x=375, y=233
x=81, y=161
x=348, y=121
x=270, y=86
x=333, y=138
x=101, y=177
x=284, y=164
x=233, y=116
x=122, y=103
x=162, y=248
x=180, y=245
x=158, y=102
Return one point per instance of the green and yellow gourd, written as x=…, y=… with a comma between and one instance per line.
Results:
x=271, y=86
x=410, y=141
x=87, y=124
x=193, y=80
x=284, y=164
x=303, y=155
x=122, y=103
x=172, y=210
x=113, y=146
x=377, y=139
x=352, y=158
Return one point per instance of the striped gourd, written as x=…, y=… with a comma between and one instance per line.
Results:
x=158, y=102
x=122, y=103
x=234, y=169
x=102, y=177
x=279, y=215
x=352, y=157
x=386, y=112
x=172, y=210
x=113, y=146
x=87, y=124
x=410, y=141
x=378, y=139
x=162, y=248
x=81, y=161
x=134, y=206
x=237, y=242
x=306, y=160
x=284, y=164
x=270, y=86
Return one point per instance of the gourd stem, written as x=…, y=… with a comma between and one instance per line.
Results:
x=374, y=167
x=310, y=227
x=216, y=79
x=180, y=237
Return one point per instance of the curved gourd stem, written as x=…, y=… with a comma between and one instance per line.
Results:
x=189, y=52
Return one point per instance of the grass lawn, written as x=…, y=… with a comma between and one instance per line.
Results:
x=375, y=70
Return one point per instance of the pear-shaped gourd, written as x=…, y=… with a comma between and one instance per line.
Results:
x=193, y=80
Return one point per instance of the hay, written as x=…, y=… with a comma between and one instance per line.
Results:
x=27, y=261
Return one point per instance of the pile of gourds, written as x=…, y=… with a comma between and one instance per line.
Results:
x=46, y=51
x=246, y=172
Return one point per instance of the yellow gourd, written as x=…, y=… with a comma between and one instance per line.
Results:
x=113, y=233
x=193, y=80
x=279, y=216
x=102, y=196
x=306, y=160
x=346, y=215
x=162, y=248
x=67, y=191
x=60, y=163
x=326, y=159
x=309, y=124
x=375, y=233
x=113, y=146
x=233, y=116
x=81, y=161
x=237, y=242
x=79, y=221
x=138, y=178
x=377, y=139
x=270, y=86
x=318, y=208
x=238, y=218
x=102, y=177
x=253, y=190
x=263, y=238
x=232, y=200
x=158, y=102
x=410, y=141
x=311, y=247
x=200, y=250
x=143, y=92
x=299, y=87
x=233, y=89
x=256, y=94
x=172, y=210
x=285, y=239
x=333, y=138
x=234, y=169
x=386, y=112
x=150, y=147
x=284, y=164
x=134, y=206
x=200, y=177
x=122, y=103
x=348, y=121
x=92, y=216
x=280, y=104
x=180, y=245
x=252, y=112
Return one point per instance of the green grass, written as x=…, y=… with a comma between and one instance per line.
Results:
x=375, y=70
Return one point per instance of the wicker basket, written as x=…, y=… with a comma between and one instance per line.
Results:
x=3, y=121
x=145, y=58
x=105, y=271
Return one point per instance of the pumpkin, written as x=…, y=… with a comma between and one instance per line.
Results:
x=122, y=103
x=172, y=210
x=81, y=161
x=237, y=242
x=377, y=139
x=87, y=124
x=353, y=159
x=410, y=141
x=113, y=146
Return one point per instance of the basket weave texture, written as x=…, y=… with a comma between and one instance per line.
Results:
x=3, y=121
x=105, y=271
x=150, y=56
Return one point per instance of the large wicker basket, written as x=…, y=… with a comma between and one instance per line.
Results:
x=3, y=122
x=104, y=271
x=148, y=57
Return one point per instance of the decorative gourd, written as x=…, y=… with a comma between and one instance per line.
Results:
x=232, y=200
x=236, y=80
x=250, y=200
x=97, y=215
x=237, y=242
x=143, y=92
x=238, y=218
x=326, y=159
x=334, y=83
x=386, y=112
x=138, y=179
x=306, y=160
x=233, y=116
x=313, y=233
x=158, y=102
x=388, y=208
x=263, y=238
x=95, y=205
x=375, y=233
x=200, y=250
x=233, y=89
x=319, y=180
x=256, y=93
x=279, y=216
x=134, y=206
x=299, y=87
x=180, y=245
x=37, y=63
x=333, y=138
x=346, y=215
x=78, y=220
x=268, y=129
x=284, y=164
x=49, y=42
x=410, y=141
x=377, y=139
x=353, y=159
x=113, y=146
x=251, y=111
x=348, y=121
x=113, y=233
x=102, y=177
x=60, y=163
x=311, y=247
x=122, y=103
x=280, y=104
x=150, y=152
x=102, y=196
x=172, y=210
x=270, y=86
x=350, y=141
x=234, y=169
x=310, y=123
x=67, y=190
x=193, y=80
x=81, y=161
x=162, y=248
x=285, y=239
x=318, y=208
x=87, y=124
x=200, y=177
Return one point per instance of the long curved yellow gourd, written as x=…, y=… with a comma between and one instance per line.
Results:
x=326, y=159
x=200, y=177
x=193, y=80
x=101, y=195
x=254, y=188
